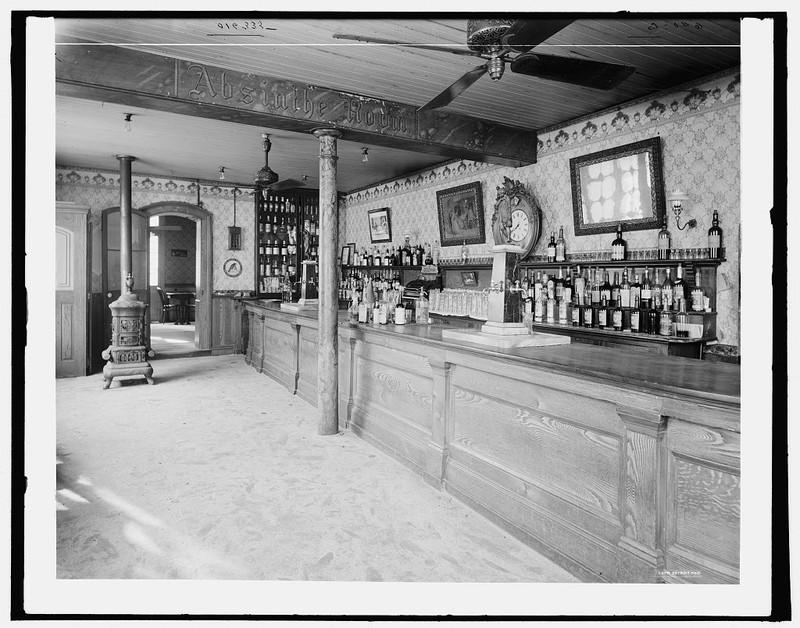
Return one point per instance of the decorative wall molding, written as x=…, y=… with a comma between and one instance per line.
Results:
x=699, y=97
x=100, y=178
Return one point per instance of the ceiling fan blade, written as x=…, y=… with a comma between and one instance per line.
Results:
x=596, y=74
x=523, y=35
x=450, y=94
x=454, y=49
x=287, y=184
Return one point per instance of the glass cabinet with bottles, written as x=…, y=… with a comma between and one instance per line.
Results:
x=287, y=234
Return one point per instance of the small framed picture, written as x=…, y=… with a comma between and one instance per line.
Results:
x=352, y=246
x=380, y=225
x=469, y=278
x=345, y=256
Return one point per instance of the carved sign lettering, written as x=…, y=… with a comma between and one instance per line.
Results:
x=204, y=84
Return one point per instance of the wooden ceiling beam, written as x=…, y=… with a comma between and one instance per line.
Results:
x=147, y=80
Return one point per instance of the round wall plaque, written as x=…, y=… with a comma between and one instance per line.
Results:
x=232, y=267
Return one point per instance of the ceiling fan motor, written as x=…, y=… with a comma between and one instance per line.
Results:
x=484, y=35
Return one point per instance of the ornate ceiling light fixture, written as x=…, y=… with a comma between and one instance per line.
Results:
x=265, y=177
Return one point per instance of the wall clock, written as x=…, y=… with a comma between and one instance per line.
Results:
x=517, y=218
x=232, y=267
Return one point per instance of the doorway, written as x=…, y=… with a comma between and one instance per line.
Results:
x=193, y=338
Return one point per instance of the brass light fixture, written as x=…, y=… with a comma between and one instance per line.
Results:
x=127, y=126
x=365, y=154
x=265, y=177
x=676, y=199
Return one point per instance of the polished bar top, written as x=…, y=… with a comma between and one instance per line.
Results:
x=714, y=381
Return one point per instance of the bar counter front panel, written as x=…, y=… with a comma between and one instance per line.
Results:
x=618, y=465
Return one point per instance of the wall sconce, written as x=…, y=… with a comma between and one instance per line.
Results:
x=128, y=117
x=222, y=173
x=365, y=153
x=676, y=199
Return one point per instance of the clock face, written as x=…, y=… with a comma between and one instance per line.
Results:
x=520, y=225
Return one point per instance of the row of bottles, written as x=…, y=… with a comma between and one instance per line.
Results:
x=557, y=252
x=377, y=298
x=404, y=255
x=590, y=298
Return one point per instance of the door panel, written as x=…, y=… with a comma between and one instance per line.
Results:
x=71, y=291
x=202, y=301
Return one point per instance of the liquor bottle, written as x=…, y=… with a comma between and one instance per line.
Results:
x=369, y=258
x=560, y=285
x=667, y=292
x=682, y=320
x=663, y=241
x=595, y=289
x=615, y=291
x=625, y=290
x=566, y=291
x=551, y=248
x=698, y=295
x=605, y=291
x=435, y=253
x=616, y=320
x=551, y=310
x=577, y=310
x=602, y=316
x=561, y=250
x=588, y=318
x=655, y=300
x=538, y=305
x=646, y=297
x=665, y=323
x=550, y=286
x=679, y=290
x=387, y=257
x=715, y=238
x=563, y=311
x=400, y=313
x=635, y=320
x=537, y=286
x=580, y=287
x=618, y=246
x=636, y=292
x=423, y=308
x=428, y=255
x=464, y=253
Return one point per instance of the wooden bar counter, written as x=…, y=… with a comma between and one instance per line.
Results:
x=621, y=466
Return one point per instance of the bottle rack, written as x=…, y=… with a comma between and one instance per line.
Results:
x=287, y=228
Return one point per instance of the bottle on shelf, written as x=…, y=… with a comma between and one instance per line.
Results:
x=559, y=284
x=580, y=287
x=551, y=248
x=423, y=308
x=682, y=320
x=616, y=320
x=435, y=252
x=679, y=290
x=551, y=309
x=715, y=238
x=619, y=247
x=665, y=323
x=655, y=292
x=698, y=295
x=615, y=291
x=561, y=247
x=428, y=255
x=625, y=290
x=663, y=241
x=464, y=254
x=636, y=313
x=595, y=288
x=645, y=293
x=636, y=292
x=605, y=291
x=667, y=291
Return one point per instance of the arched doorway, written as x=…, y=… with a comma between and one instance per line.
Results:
x=203, y=274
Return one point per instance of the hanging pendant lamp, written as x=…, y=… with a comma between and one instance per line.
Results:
x=265, y=177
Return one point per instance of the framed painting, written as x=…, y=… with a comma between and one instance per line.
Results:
x=380, y=225
x=622, y=185
x=460, y=211
x=345, y=261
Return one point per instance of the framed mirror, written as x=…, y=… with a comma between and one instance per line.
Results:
x=622, y=185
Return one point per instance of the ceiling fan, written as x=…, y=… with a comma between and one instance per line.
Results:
x=496, y=40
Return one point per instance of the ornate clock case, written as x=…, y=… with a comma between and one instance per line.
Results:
x=517, y=218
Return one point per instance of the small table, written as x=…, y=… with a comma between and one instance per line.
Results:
x=182, y=301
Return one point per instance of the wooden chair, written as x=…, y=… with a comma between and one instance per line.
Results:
x=166, y=306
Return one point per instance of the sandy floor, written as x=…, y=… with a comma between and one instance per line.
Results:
x=216, y=472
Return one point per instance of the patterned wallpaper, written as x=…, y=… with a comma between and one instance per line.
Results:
x=699, y=124
x=100, y=190
x=179, y=270
x=700, y=130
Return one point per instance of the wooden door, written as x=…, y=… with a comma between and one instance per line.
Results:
x=202, y=302
x=72, y=245
x=140, y=263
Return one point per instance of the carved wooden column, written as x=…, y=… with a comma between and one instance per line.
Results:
x=328, y=358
